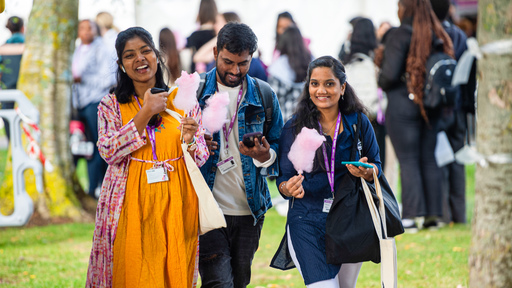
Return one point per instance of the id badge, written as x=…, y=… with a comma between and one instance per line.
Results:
x=327, y=205
x=227, y=165
x=156, y=175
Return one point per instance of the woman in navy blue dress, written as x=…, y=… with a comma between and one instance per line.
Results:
x=329, y=105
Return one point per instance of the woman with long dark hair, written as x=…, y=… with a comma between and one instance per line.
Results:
x=329, y=105
x=206, y=18
x=167, y=43
x=147, y=215
x=362, y=71
x=362, y=40
x=411, y=127
x=288, y=72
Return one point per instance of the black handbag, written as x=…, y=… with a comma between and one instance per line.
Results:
x=350, y=235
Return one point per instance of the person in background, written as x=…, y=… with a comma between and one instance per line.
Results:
x=382, y=30
x=10, y=60
x=411, y=128
x=205, y=55
x=454, y=124
x=108, y=32
x=92, y=79
x=345, y=47
x=171, y=55
x=147, y=216
x=288, y=72
x=234, y=172
x=362, y=72
x=206, y=18
x=329, y=105
x=284, y=21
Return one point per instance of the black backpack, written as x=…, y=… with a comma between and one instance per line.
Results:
x=439, y=91
x=266, y=99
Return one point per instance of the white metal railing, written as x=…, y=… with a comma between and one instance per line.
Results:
x=23, y=204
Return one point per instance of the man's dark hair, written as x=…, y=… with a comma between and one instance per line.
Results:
x=14, y=24
x=237, y=38
x=441, y=8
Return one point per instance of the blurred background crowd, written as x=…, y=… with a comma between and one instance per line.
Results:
x=290, y=34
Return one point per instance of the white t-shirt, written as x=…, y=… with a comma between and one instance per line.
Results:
x=229, y=188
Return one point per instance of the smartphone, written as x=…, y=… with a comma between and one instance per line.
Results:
x=248, y=139
x=156, y=90
x=357, y=163
x=154, y=120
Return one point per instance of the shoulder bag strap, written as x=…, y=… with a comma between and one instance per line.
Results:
x=202, y=83
x=266, y=99
x=357, y=133
x=378, y=190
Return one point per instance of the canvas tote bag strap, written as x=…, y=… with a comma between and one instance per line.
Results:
x=373, y=209
x=210, y=214
x=382, y=210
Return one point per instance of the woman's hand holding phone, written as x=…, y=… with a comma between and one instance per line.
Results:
x=155, y=102
x=361, y=168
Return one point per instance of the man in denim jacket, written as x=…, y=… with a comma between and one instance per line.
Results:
x=236, y=173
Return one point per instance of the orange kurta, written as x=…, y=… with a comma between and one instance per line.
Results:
x=156, y=240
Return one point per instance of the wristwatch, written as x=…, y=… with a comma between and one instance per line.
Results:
x=192, y=146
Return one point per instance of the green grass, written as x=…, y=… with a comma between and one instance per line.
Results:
x=51, y=256
x=57, y=255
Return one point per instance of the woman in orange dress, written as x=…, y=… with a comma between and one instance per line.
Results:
x=147, y=217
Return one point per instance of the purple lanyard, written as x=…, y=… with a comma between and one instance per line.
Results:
x=151, y=134
x=330, y=169
x=227, y=132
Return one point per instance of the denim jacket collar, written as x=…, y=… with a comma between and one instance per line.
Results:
x=251, y=96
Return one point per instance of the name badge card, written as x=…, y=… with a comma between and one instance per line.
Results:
x=156, y=175
x=227, y=165
x=327, y=205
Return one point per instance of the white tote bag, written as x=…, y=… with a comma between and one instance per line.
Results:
x=210, y=214
x=388, y=260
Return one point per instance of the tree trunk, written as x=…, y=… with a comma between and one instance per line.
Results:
x=490, y=257
x=45, y=78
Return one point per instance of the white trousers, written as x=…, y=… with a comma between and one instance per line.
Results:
x=346, y=277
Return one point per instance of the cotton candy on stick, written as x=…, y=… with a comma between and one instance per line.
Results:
x=214, y=115
x=187, y=88
x=303, y=150
x=186, y=99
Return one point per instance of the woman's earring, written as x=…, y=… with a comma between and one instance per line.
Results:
x=342, y=97
x=122, y=68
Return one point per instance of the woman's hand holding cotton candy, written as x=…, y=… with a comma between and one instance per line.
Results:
x=293, y=187
x=190, y=127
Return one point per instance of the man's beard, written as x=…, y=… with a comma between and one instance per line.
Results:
x=224, y=79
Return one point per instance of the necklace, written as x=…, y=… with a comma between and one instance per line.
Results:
x=328, y=131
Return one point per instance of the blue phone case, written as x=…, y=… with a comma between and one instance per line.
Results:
x=357, y=163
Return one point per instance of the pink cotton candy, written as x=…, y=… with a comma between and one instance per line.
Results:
x=186, y=97
x=214, y=115
x=302, y=152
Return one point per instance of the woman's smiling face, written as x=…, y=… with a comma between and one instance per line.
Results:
x=325, y=89
x=139, y=60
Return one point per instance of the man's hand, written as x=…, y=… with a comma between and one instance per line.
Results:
x=212, y=145
x=260, y=151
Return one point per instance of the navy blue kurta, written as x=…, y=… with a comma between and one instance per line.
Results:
x=306, y=220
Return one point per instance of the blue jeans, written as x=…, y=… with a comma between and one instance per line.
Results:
x=96, y=166
x=225, y=254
